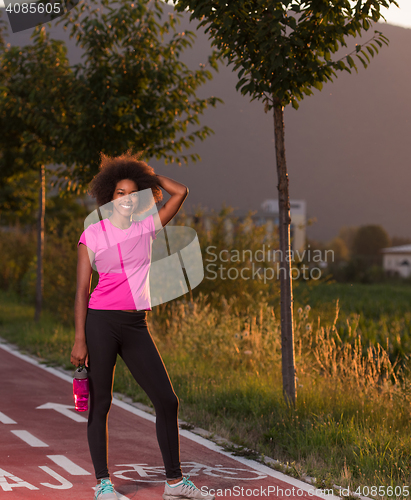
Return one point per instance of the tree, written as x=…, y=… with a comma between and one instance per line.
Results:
x=32, y=111
x=282, y=50
x=339, y=250
x=130, y=92
x=347, y=234
x=138, y=92
x=368, y=243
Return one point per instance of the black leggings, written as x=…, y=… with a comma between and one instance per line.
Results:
x=109, y=333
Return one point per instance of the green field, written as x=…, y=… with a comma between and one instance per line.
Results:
x=382, y=312
x=351, y=423
x=370, y=301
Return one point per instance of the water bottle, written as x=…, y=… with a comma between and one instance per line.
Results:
x=80, y=389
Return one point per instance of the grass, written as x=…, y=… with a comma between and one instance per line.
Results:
x=371, y=301
x=351, y=424
x=48, y=339
x=381, y=312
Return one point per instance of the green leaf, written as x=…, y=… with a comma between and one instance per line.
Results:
x=374, y=47
x=352, y=63
x=362, y=60
x=318, y=85
x=365, y=55
x=241, y=83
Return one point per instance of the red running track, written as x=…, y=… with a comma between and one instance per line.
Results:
x=44, y=451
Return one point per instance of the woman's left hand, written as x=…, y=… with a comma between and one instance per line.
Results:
x=79, y=354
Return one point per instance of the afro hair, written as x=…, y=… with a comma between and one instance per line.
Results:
x=116, y=169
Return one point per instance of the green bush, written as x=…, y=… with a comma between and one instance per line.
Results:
x=16, y=250
x=246, y=239
x=19, y=270
x=60, y=271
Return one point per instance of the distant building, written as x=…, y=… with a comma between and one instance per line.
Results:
x=269, y=214
x=397, y=260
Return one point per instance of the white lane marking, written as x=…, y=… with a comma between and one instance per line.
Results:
x=30, y=439
x=15, y=352
x=64, y=484
x=6, y=486
x=135, y=411
x=64, y=410
x=69, y=466
x=311, y=490
x=189, y=435
x=4, y=419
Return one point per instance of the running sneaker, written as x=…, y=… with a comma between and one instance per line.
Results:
x=105, y=491
x=185, y=491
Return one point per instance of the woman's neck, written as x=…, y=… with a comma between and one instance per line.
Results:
x=120, y=222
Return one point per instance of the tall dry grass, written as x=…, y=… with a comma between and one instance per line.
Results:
x=351, y=422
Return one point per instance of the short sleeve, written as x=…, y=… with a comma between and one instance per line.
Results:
x=88, y=237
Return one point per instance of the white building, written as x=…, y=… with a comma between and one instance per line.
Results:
x=270, y=211
x=397, y=260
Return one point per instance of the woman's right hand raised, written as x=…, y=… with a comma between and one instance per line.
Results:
x=79, y=353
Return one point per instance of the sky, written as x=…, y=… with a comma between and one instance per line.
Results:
x=398, y=16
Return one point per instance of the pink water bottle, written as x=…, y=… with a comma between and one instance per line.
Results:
x=80, y=389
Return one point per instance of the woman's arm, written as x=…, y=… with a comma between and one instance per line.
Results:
x=178, y=194
x=79, y=354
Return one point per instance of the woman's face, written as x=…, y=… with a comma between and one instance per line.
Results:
x=125, y=197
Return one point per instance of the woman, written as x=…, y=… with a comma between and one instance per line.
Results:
x=113, y=320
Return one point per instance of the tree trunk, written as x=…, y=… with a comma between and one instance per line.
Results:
x=287, y=332
x=40, y=243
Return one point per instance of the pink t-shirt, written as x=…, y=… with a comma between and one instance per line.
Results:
x=122, y=259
